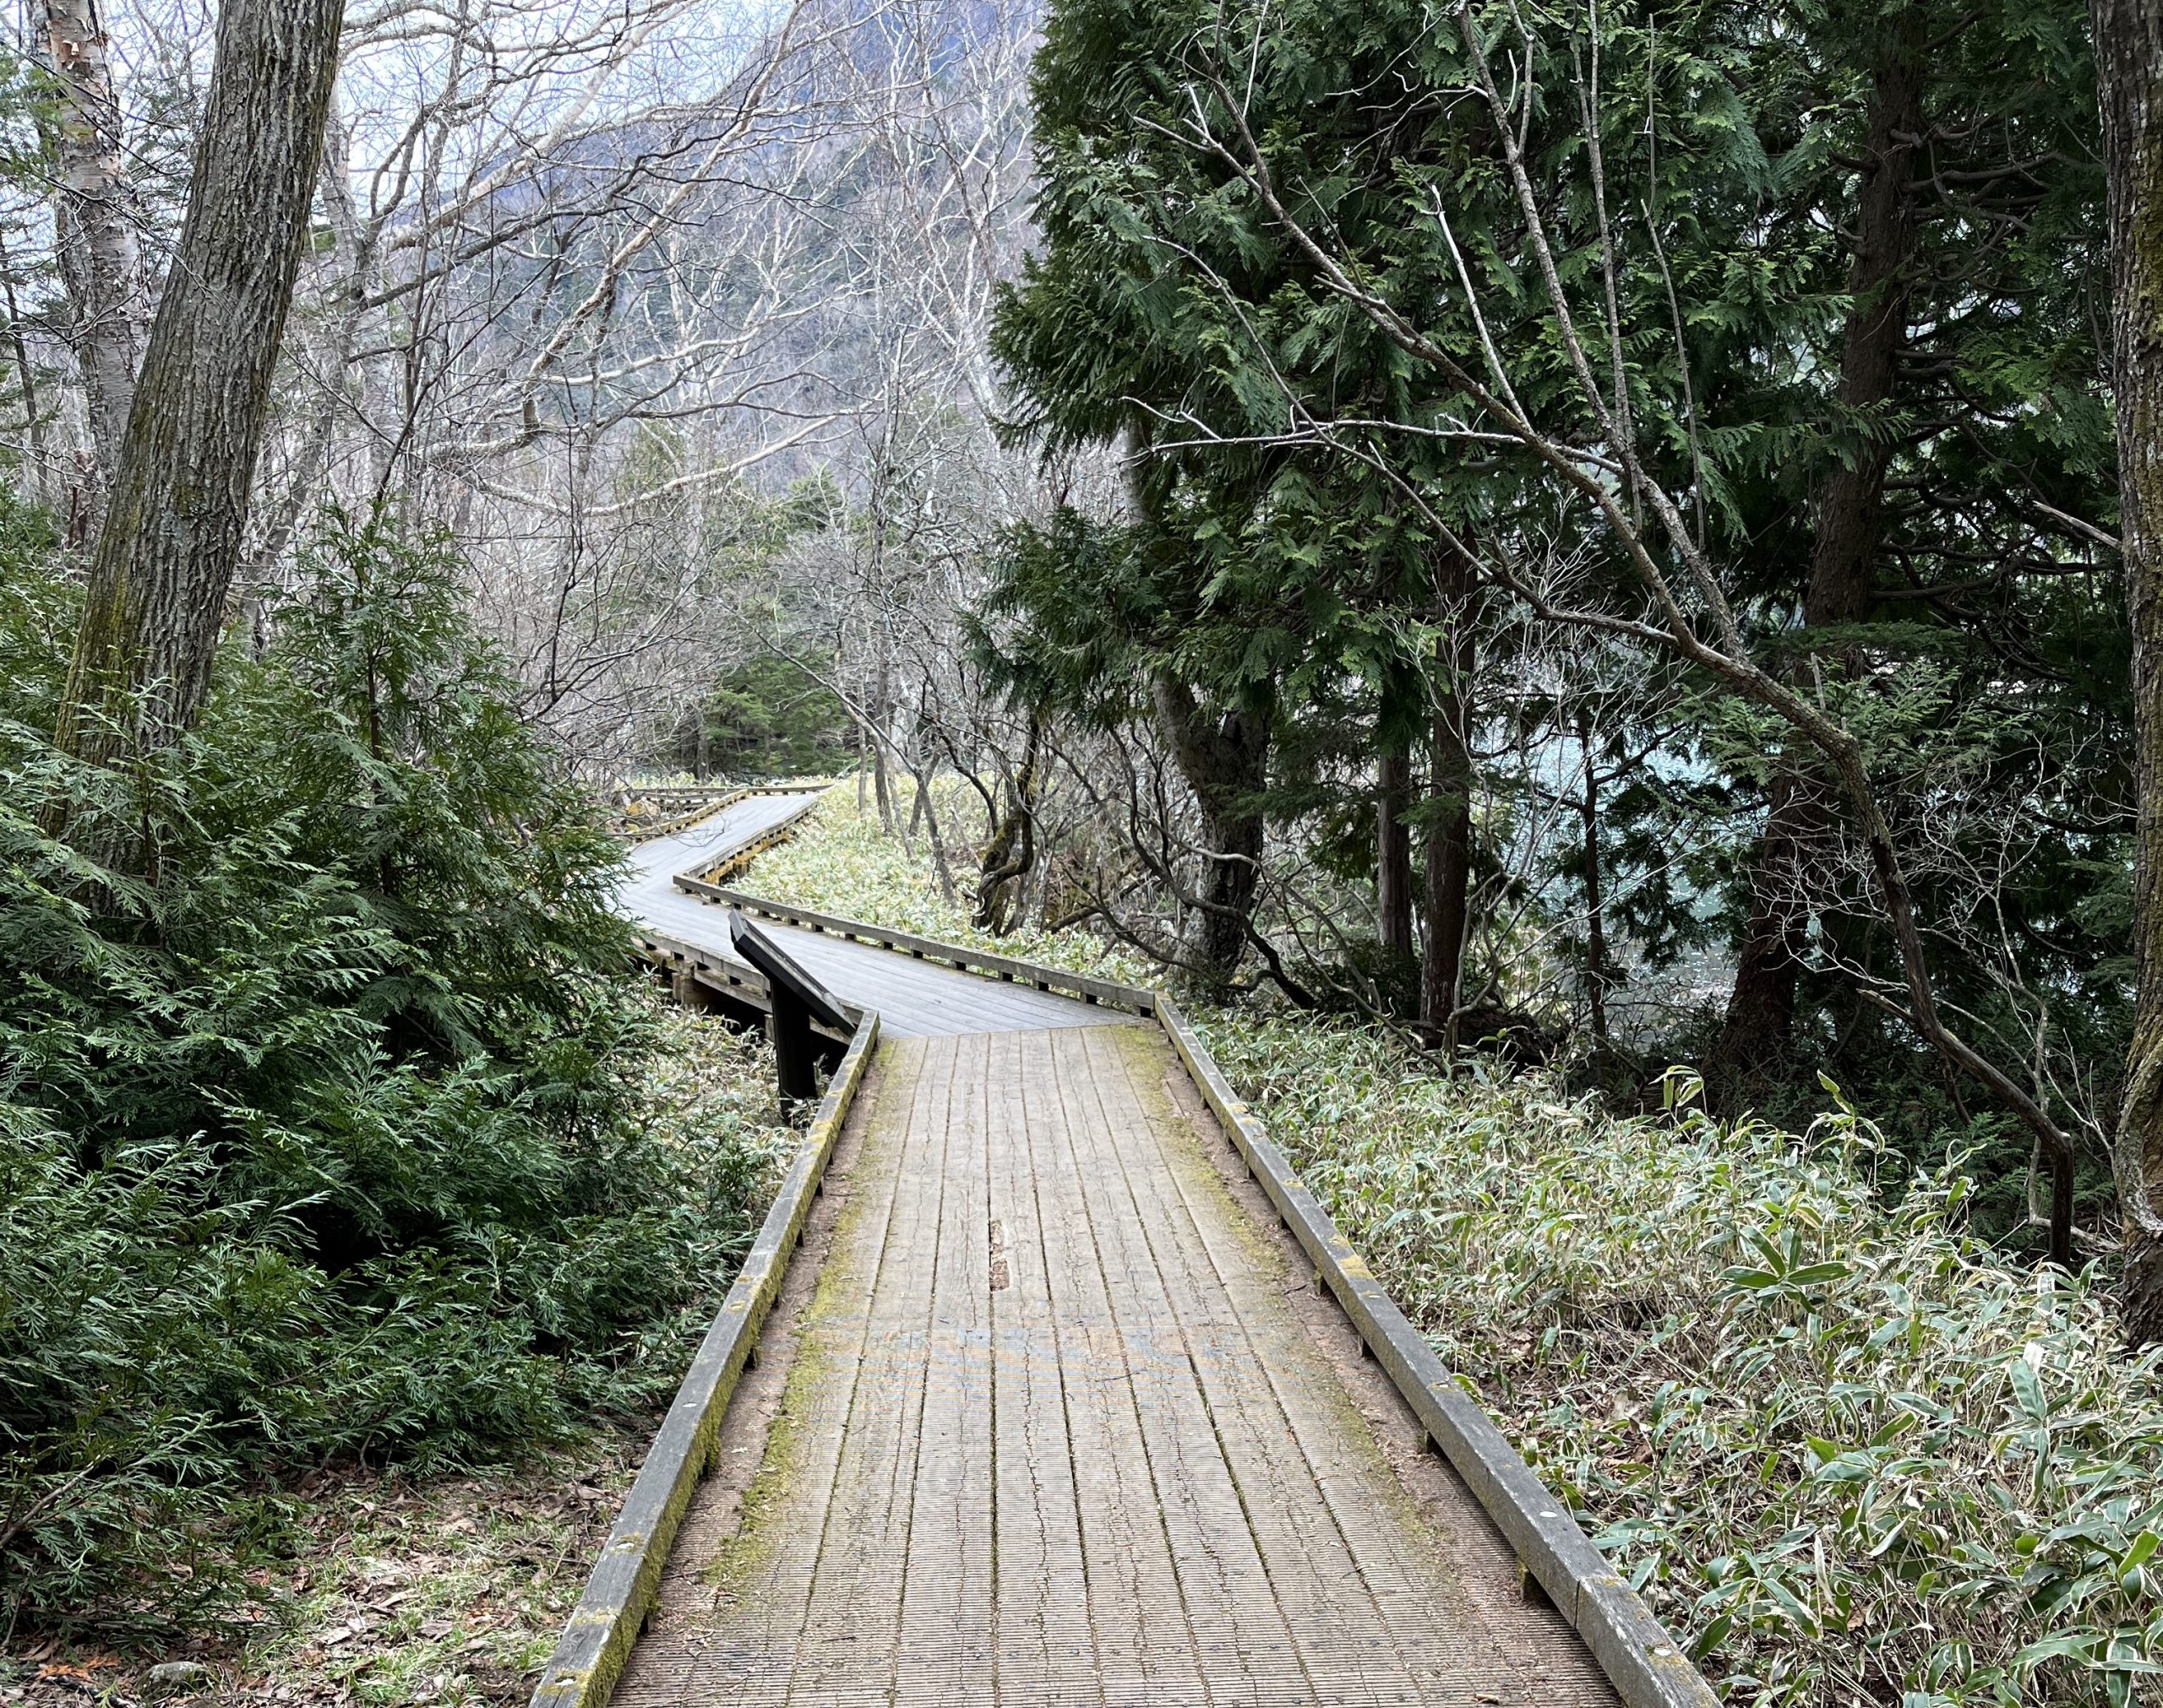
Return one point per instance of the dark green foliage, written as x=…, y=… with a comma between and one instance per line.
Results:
x=320, y=1121
x=766, y=718
x=1296, y=470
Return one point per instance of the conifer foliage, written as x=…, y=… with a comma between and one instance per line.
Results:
x=1687, y=424
x=319, y=1127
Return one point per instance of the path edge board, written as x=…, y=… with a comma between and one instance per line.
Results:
x=700, y=880
x=720, y=802
x=1103, y=991
x=1645, y=1664
x=626, y=1581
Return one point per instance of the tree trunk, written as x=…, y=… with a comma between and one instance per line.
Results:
x=2129, y=78
x=934, y=838
x=904, y=827
x=880, y=789
x=172, y=537
x=1449, y=807
x=1759, y=1027
x=1595, y=921
x=1010, y=852
x=1393, y=852
x=1760, y=1021
x=33, y=419
x=100, y=267
x=1224, y=758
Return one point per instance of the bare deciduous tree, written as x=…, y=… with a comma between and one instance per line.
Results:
x=171, y=536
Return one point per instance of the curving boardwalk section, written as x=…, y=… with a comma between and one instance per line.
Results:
x=1053, y=1411
x=913, y=999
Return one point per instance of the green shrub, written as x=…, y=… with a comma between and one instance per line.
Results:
x=322, y=1125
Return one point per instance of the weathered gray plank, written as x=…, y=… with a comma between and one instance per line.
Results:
x=1095, y=1456
x=914, y=998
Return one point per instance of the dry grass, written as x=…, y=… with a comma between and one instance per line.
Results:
x=1850, y=1454
x=841, y=862
x=449, y=1590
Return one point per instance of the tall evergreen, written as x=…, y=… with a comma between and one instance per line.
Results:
x=1853, y=258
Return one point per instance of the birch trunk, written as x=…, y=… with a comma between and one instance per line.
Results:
x=100, y=266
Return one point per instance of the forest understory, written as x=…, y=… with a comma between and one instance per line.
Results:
x=1584, y=580
x=403, y=1583
x=391, y=1589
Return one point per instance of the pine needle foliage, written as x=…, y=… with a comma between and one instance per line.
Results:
x=320, y=1121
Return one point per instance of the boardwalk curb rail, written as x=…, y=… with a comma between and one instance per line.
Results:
x=1641, y=1659
x=1645, y=1664
x=742, y=852
x=694, y=806
x=598, y=1641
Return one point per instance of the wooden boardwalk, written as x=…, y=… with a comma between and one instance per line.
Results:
x=1057, y=1430
x=1050, y=1410
x=913, y=999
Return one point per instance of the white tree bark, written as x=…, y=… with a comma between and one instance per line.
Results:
x=100, y=263
x=165, y=556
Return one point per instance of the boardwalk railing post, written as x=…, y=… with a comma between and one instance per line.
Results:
x=798, y=1000
x=688, y=993
x=795, y=1059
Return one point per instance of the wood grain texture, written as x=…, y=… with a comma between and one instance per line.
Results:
x=1056, y=1433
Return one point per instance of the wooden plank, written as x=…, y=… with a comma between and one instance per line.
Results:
x=625, y=1584
x=1090, y=1453
x=916, y=997
x=1647, y=1666
x=1048, y=1651
x=1030, y=975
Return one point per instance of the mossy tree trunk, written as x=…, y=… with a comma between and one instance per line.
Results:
x=172, y=537
x=2129, y=80
x=1223, y=756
